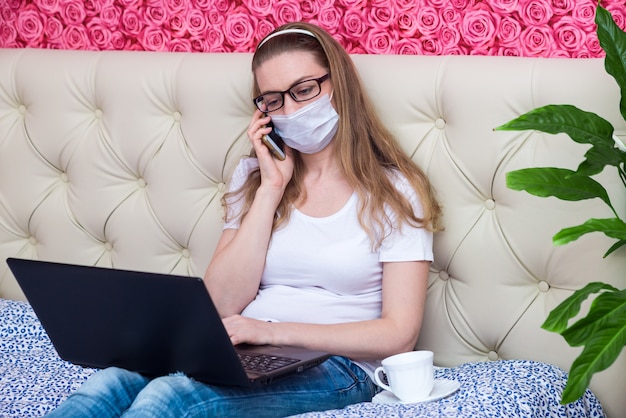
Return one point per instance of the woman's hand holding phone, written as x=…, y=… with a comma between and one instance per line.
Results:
x=274, y=142
x=275, y=172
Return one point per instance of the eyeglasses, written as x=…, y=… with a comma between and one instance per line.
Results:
x=299, y=92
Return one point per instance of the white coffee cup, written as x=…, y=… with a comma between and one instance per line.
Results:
x=410, y=375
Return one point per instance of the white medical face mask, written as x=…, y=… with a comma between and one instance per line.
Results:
x=310, y=129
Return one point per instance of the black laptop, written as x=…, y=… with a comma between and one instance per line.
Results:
x=154, y=324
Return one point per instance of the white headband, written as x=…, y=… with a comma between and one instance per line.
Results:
x=286, y=31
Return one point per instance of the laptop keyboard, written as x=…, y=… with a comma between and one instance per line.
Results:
x=264, y=363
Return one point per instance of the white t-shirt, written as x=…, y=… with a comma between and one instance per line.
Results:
x=323, y=270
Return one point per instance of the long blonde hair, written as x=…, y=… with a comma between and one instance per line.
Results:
x=367, y=152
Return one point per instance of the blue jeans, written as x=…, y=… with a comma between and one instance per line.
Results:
x=115, y=392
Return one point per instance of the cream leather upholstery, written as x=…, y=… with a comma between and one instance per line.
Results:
x=120, y=158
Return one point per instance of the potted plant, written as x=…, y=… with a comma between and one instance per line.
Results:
x=602, y=332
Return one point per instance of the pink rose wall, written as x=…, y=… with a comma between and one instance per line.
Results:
x=533, y=28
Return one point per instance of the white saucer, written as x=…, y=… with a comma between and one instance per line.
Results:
x=441, y=389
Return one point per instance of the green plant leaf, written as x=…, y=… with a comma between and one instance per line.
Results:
x=583, y=127
x=613, y=42
x=603, y=333
x=607, y=310
x=559, y=317
x=561, y=183
x=611, y=227
x=614, y=247
x=598, y=157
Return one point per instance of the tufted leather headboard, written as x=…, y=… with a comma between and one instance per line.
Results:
x=120, y=158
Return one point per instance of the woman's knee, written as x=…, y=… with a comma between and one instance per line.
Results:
x=114, y=379
x=167, y=396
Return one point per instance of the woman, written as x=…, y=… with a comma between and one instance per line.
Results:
x=328, y=249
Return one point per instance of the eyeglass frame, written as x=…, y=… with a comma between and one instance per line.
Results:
x=318, y=80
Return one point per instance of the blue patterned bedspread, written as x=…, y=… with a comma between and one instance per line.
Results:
x=34, y=380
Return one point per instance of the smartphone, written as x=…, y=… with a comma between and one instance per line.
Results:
x=274, y=142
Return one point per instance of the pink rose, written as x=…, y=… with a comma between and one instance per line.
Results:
x=407, y=23
x=379, y=41
x=30, y=26
x=176, y=6
x=53, y=29
x=479, y=27
x=408, y=46
x=154, y=38
x=536, y=41
x=99, y=34
x=449, y=37
x=584, y=16
x=239, y=31
x=215, y=17
x=7, y=14
x=310, y=9
x=381, y=17
x=562, y=7
x=504, y=6
x=154, y=15
x=341, y=39
x=48, y=7
x=119, y=41
x=179, y=45
x=329, y=18
x=110, y=16
x=450, y=15
x=428, y=20
x=196, y=22
x=568, y=34
x=201, y=4
x=354, y=24
x=224, y=6
x=94, y=7
x=8, y=35
x=536, y=12
x=199, y=44
x=431, y=46
x=593, y=45
x=73, y=12
x=75, y=37
x=214, y=39
x=178, y=25
x=286, y=12
x=263, y=28
x=509, y=31
x=258, y=7
x=131, y=22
